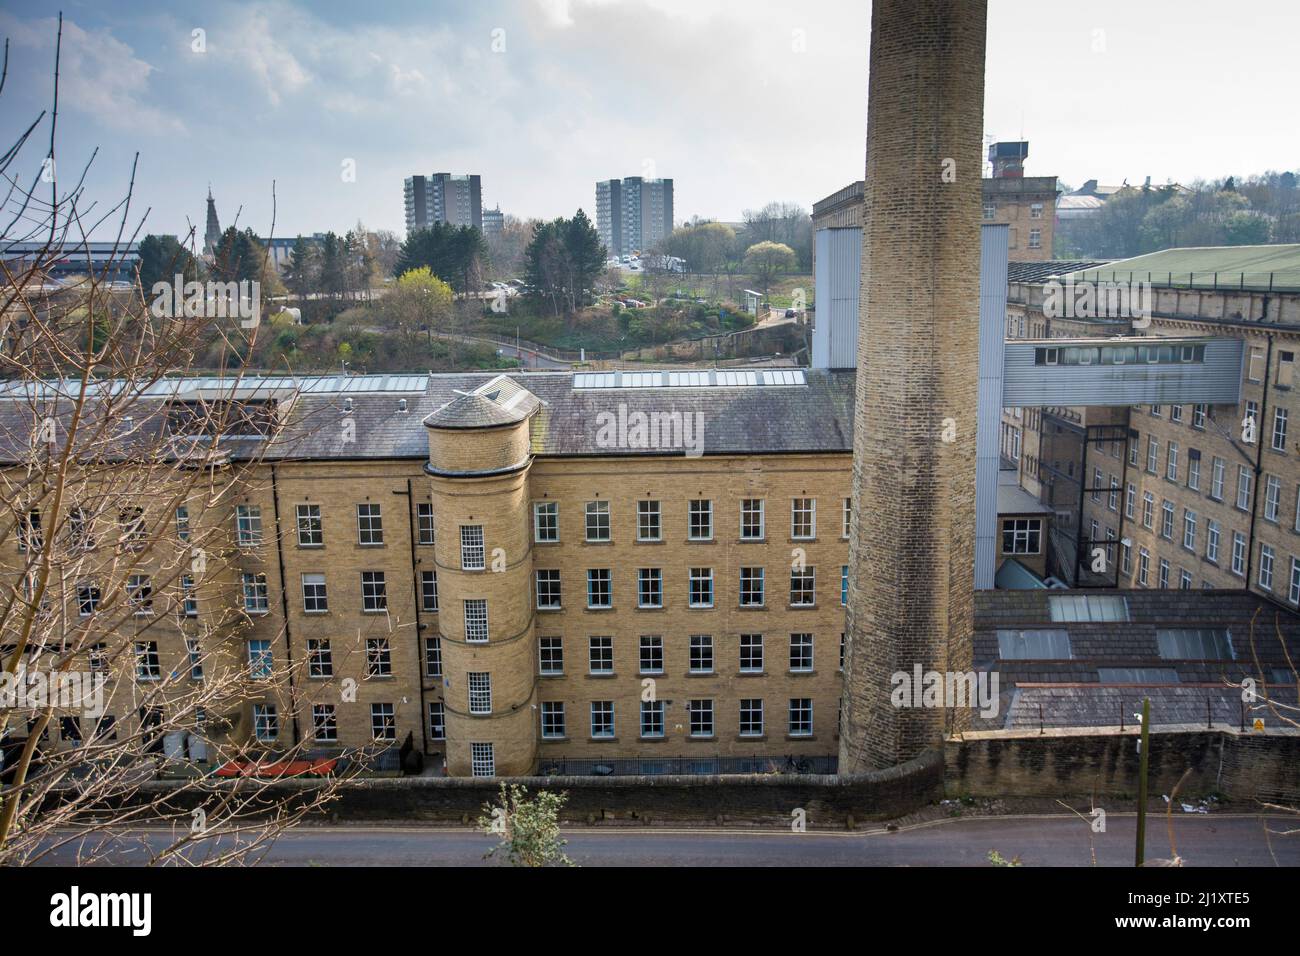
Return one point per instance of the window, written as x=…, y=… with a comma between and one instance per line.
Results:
x=379, y=657
x=256, y=598
x=29, y=531
x=551, y=655
x=548, y=589
x=1129, y=497
x=1126, y=557
x=650, y=587
x=546, y=521
x=751, y=519
x=1171, y=461
x=1157, y=410
x=1216, y=479
x=1022, y=535
x=652, y=654
x=803, y=518
x=324, y=723
x=1243, y=487
x=1041, y=644
x=1035, y=238
x=1036, y=210
x=598, y=521
x=844, y=585
x=1193, y=469
x=801, y=716
x=1189, y=530
x=1164, y=574
x=259, y=659
x=424, y=523
x=1272, y=498
x=1167, y=520
x=480, y=692
x=374, y=591
x=383, y=722
x=183, y=523
x=1176, y=414
x=1198, y=416
x=701, y=714
x=1133, y=449
x=311, y=532
x=600, y=655
x=599, y=588
x=701, y=654
x=438, y=721
x=472, y=551
x=843, y=647
x=1095, y=490
x=1279, y=429
x=847, y=518
x=429, y=591
x=147, y=665
x=1194, y=644
x=1266, y=557
x=1249, y=423
x=1293, y=591
x=320, y=657
x=433, y=656
x=801, y=652
x=1238, y=554
x=552, y=719
x=370, y=524
x=652, y=719
x=1148, y=510
x=701, y=519
x=803, y=587
x=602, y=718
x=751, y=587
x=1153, y=454
x=990, y=210
x=80, y=537
x=131, y=521
x=648, y=523
x=248, y=525
x=1113, y=501
x=1212, y=540
x=1088, y=607
x=314, y=600
x=1144, y=567
x=751, y=653
x=266, y=722
x=1255, y=368
x=1184, y=580
x=194, y=655
x=701, y=587
x=139, y=594
x=751, y=717
x=481, y=761
x=476, y=620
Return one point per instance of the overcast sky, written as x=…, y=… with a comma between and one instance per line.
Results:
x=739, y=101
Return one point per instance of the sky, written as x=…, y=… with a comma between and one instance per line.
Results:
x=740, y=102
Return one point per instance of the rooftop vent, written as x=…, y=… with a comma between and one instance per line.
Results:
x=401, y=405
x=347, y=404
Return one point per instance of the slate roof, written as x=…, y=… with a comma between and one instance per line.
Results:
x=816, y=417
x=1070, y=693
x=474, y=411
x=1042, y=271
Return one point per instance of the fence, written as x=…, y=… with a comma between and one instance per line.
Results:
x=1285, y=280
x=685, y=766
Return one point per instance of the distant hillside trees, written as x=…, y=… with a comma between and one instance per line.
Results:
x=563, y=260
x=455, y=254
x=766, y=260
x=162, y=258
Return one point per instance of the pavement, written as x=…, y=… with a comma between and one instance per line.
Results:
x=1200, y=840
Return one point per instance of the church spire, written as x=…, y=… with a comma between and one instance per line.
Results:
x=212, y=233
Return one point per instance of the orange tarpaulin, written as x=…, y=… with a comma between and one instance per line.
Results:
x=281, y=768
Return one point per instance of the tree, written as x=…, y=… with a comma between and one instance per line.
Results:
x=528, y=827
x=767, y=260
x=301, y=272
x=120, y=500
x=563, y=261
x=419, y=299
x=162, y=258
x=454, y=254
x=239, y=256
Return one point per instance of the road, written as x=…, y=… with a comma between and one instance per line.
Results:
x=1202, y=840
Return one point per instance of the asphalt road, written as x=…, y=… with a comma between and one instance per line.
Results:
x=1202, y=840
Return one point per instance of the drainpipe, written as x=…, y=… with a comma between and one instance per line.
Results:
x=415, y=587
x=284, y=605
x=1259, y=462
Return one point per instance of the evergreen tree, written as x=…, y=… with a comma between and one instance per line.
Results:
x=300, y=272
x=162, y=258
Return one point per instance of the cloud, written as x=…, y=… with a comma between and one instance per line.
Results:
x=99, y=75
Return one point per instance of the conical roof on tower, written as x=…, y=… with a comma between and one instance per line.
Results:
x=212, y=231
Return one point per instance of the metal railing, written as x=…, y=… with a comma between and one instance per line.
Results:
x=686, y=766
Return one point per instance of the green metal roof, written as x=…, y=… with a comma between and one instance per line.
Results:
x=1273, y=268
